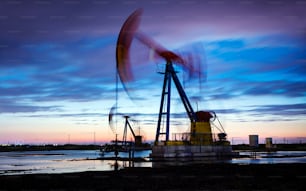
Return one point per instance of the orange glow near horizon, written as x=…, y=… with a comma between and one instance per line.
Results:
x=238, y=132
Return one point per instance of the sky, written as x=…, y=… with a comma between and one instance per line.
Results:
x=58, y=68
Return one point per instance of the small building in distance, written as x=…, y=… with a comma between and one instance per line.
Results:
x=269, y=143
x=253, y=141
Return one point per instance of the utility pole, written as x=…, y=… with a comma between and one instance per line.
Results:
x=94, y=138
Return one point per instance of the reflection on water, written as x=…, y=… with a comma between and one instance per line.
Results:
x=29, y=162
x=271, y=157
x=64, y=161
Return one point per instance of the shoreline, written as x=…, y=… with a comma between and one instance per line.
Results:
x=239, y=147
x=205, y=177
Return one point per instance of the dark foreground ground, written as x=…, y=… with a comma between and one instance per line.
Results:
x=207, y=177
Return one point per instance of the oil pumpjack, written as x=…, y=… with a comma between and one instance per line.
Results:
x=137, y=138
x=199, y=143
x=125, y=144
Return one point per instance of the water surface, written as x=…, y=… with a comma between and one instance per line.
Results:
x=65, y=161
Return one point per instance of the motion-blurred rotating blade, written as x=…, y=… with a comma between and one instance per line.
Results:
x=110, y=118
x=123, y=45
x=130, y=30
x=158, y=49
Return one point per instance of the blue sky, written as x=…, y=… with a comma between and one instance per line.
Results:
x=57, y=67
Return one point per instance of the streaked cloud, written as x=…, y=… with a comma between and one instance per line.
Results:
x=54, y=54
